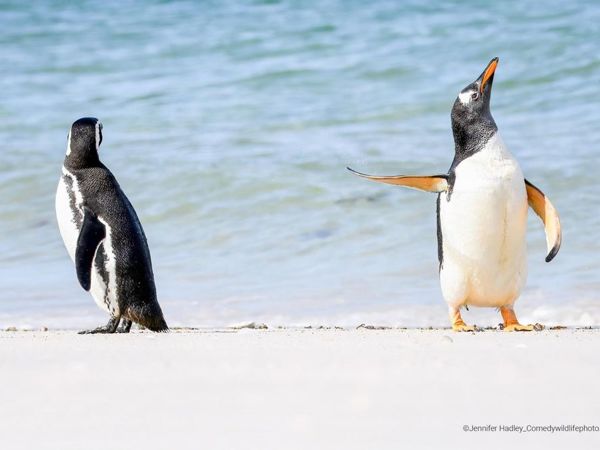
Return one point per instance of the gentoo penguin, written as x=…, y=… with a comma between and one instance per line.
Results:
x=482, y=212
x=104, y=236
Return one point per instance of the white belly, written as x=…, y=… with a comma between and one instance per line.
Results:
x=483, y=230
x=69, y=214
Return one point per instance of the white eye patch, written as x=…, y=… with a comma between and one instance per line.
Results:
x=465, y=97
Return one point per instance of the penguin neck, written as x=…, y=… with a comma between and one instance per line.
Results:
x=471, y=136
x=78, y=161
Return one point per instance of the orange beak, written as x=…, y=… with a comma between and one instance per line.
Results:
x=489, y=71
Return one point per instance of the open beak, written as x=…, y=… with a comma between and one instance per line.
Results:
x=488, y=73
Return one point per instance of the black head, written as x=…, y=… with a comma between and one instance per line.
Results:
x=83, y=142
x=472, y=121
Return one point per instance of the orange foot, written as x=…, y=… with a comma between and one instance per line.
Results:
x=511, y=322
x=458, y=324
x=518, y=327
x=463, y=327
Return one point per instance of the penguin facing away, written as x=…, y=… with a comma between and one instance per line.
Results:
x=104, y=236
x=482, y=212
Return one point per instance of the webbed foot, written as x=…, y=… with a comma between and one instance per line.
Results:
x=457, y=323
x=518, y=327
x=109, y=328
x=511, y=323
x=463, y=327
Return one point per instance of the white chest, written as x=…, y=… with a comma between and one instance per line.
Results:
x=483, y=227
x=493, y=167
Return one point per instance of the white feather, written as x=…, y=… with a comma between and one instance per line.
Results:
x=98, y=125
x=483, y=229
x=69, y=144
x=465, y=97
x=67, y=224
x=99, y=290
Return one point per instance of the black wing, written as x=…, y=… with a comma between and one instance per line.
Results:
x=91, y=234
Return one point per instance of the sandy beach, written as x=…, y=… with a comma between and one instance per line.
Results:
x=298, y=389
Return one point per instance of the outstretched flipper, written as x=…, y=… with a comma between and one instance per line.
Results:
x=91, y=234
x=432, y=183
x=546, y=211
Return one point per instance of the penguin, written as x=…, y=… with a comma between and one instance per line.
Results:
x=104, y=236
x=482, y=205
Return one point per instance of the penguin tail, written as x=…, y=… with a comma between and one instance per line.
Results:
x=149, y=316
x=157, y=325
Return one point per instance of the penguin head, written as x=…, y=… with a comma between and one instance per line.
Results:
x=83, y=142
x=471, y=111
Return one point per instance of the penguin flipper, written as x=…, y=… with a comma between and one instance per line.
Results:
x=542, y=206
x=431, y=183
x=91, y=234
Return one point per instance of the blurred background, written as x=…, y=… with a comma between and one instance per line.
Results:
x=229, y=126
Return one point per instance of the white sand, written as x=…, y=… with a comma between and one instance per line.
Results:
x=297, y=389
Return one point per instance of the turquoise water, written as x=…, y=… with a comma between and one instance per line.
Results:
x=229, y=126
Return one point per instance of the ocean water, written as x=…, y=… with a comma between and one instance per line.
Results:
x=229, y=126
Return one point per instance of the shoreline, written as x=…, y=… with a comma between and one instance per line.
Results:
x=259, y=326
x=180, y=315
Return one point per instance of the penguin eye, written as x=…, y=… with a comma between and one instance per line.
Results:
x=474, y=95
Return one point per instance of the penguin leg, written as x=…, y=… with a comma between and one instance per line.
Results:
x=125, y=326
x=109, y=328
x=510, y=320
x=457, y=323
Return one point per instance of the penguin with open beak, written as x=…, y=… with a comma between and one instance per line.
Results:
x=482, y=205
